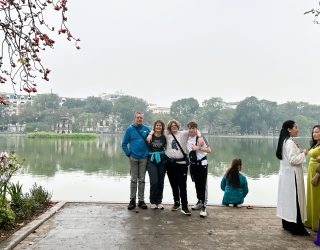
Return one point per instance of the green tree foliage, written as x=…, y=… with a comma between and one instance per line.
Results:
x=305, y=124
x=160, y=116
x=124, y=108
x=88, y=120
x=72, y=103
x=212, y=114
x=47, y=101
x=29, y=113
x=251, y=116
x=268, y=113
x=97, y=105
x=247, y=116
x=184, y=110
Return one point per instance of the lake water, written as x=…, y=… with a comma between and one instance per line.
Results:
x=97, y=170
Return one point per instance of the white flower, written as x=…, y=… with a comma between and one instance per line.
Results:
x=3, y=154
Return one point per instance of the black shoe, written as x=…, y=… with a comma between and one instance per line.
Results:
x=185, y=210
x=302, y=232
x=176, y=206
x=142, y=205
x=132, y=204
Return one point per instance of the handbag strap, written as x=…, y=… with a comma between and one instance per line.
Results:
x=144, y=139
x=184, y=154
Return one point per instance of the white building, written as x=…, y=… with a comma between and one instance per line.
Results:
x=16, y=101
x=111, y=97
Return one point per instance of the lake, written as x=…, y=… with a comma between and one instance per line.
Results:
x=97, y=170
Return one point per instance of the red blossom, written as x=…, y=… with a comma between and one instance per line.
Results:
x=27, y=90
x=25, y=37
x=4, y=102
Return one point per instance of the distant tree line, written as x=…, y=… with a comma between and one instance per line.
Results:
x=250, y=117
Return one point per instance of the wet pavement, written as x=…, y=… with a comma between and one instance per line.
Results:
x=112, y=226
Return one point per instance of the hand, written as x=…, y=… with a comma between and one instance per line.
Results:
x=318, y=159
x=315, y=179
x=305, y=151
x=195, y=147
x=149, y=137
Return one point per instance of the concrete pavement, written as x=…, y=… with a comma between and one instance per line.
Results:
x=112, y=226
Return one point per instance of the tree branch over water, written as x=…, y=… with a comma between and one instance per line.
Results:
x=315, y=12
x=24, y=35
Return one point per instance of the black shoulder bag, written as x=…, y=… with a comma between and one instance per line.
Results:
x=185, y=156
x=193, y=155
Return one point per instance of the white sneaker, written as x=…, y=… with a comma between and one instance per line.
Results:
x=203, y=212
x=153, y=206
x=197, y=206
x=160, y=206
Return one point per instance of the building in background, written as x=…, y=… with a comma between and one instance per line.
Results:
x=158, y=110
x=15, y=102
x=64, y=126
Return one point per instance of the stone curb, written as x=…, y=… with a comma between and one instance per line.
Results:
x=21, y=234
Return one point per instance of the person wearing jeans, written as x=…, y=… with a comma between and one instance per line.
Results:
x=135, y=147
x=156, y=163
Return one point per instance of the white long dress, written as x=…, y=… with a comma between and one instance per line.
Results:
x=291, y=170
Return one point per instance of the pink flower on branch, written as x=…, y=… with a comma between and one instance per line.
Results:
x=25, y=36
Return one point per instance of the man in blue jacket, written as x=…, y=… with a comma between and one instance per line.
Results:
x=135, y=147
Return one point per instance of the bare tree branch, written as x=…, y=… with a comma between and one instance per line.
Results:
x=315, y=12
x=25, y=34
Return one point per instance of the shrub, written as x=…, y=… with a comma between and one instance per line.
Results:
x=32, y=203
x=40, y=196
x=7, y=218
x=15, y=191
x=27, y=208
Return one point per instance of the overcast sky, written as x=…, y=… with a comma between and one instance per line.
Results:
x=163, y=51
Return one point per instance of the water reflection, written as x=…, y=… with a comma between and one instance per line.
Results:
x=97, y=170
x=104, y=155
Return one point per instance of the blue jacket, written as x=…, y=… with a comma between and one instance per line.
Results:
x=234, y=195
x=133, y=144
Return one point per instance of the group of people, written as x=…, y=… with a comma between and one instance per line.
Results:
x=172, y=151
x=297, y=213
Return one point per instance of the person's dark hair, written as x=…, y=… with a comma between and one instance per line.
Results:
x=284, y=135
x=232, y=174
x=192, y=124
x=313, y=142
x=161, y=122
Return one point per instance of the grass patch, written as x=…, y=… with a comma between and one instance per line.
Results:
x=57, y=136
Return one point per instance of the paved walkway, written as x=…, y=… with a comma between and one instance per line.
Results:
x=112, y=226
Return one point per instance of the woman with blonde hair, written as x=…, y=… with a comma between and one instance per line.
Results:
x=177, y=166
